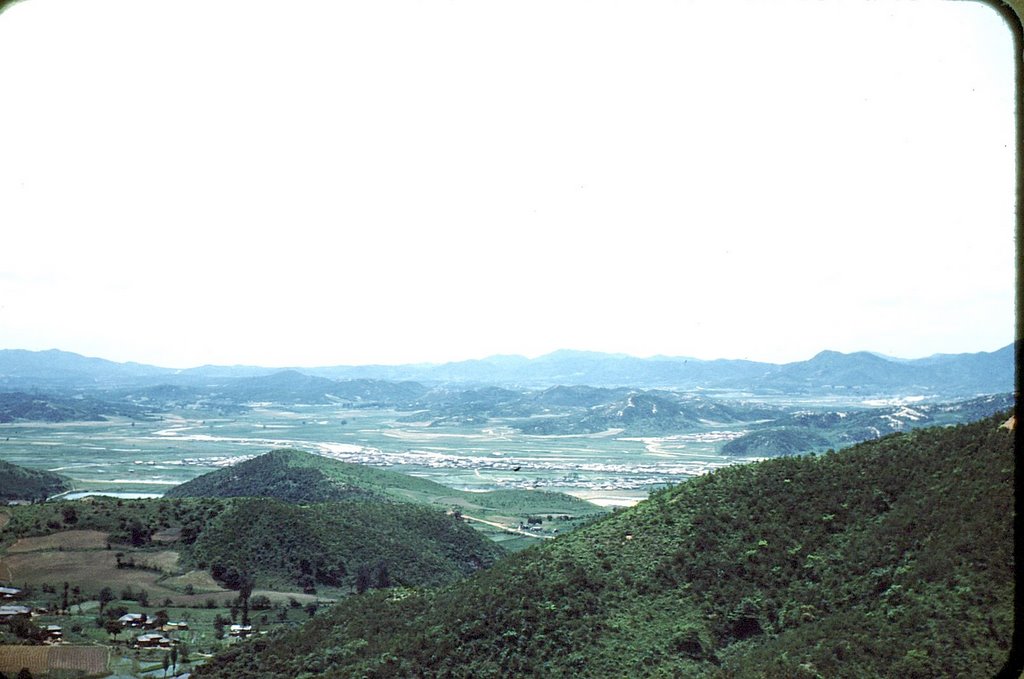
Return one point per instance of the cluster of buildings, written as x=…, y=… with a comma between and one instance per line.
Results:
x=10, y=611
x=152, y=639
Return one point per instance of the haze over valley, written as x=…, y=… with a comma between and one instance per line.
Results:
x=477, y=339
x=500, y=423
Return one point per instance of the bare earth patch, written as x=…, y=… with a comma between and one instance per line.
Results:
x=201, y=581
x=278, y=598
x=166, y=535
x=68, y=539
x=92, y=570
x=165, y=561
x=5, y=518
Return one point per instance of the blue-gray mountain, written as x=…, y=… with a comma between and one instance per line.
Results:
x=862, y=373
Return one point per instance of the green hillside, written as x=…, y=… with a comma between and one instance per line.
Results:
x=289, y=475
x=892, y=558
x=295, y=476
x=20, y=483
x=329, y=544
x=768, y=442
x=280, y=545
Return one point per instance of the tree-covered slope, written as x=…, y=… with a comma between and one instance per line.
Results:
x=892, y=558
x=289, y=475
x=330, y=544
x=277, y=545
x=18, y=406
x=21, y=483
x=770, y=442
x=296, y=476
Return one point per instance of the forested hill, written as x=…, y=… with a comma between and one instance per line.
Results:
x=892, y=558
x=20, y=483
x=299, y=477
x=339, y=546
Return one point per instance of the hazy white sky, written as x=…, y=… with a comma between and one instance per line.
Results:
x=315, y=183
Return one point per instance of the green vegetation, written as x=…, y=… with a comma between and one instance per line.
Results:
x=128, y=522
x=329, y=544
x=289, y=475
x=279, y=546
x=769, y=442
x=20, y=483
x=19, y=406
x=861, y=563
x=295, y=476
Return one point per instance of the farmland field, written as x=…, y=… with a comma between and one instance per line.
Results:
x=143, y=458
x=87, y=660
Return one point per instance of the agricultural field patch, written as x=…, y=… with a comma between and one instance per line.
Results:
x=165, y=561
x=87, y=659
x=34, y=658
x=65, y=540
x=200, y=581
x=92, y=570
x=54, y=660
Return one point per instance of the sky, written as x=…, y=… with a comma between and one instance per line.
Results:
x=318, y=183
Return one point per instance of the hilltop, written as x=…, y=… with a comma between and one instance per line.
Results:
x=856, y=563
x=299, y=477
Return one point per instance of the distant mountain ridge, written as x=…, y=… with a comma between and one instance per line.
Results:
x=827, y=372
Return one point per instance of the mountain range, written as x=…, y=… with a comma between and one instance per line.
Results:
x=829, y=372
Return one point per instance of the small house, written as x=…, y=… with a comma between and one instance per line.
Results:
x=9, y=592
x=152, y=641
x=8, y=613
x=132, y=619
x=240, y=630
x=54, y=633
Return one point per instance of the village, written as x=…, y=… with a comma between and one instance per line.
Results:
x=36, y=636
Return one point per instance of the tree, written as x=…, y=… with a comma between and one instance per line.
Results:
x=245, y=585
x=174, y=659
x=383, y=576
x=112, y=627
x=139, y=534
x=218, y=626
x=105, y=596
x=161, y=618
x=166, y=661
x=363, y=575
